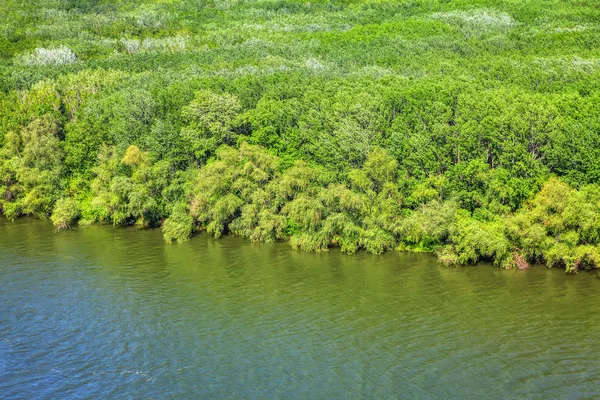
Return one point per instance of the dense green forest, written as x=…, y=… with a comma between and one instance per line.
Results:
x=466, y=127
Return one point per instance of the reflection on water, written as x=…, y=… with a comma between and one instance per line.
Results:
x=101, y=312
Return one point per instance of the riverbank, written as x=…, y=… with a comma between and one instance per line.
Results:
x=243, y=192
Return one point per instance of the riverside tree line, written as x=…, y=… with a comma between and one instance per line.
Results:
x=468, y=128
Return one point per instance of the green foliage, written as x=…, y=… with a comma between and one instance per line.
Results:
x=466, y=128
x=31, y=169
x=228, y=184
x=210, y=119
x=66, y=211
x=429, y=226
x=119, y=118
x=179, y=225
x=130, y=188
x=471, y=240
x=560, y=226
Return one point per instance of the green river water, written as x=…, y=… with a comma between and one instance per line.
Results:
x=100, y=312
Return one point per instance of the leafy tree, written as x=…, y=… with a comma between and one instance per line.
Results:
x=210, y=123
x=65, y=212
x=31, y=169
x=129, y=188
x=120, y=118
x=179, y=226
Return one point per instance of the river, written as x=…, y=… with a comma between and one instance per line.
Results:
x=103, y=312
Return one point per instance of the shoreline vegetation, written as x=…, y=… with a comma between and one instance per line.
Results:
x=466, y=128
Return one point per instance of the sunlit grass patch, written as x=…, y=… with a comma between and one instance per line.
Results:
x=298, y=28
x=314, y=64
x=578, y=28
x=150, y=45
x=482, y=19
x=566, y=64
x=57, y=31
x=54, y=56
x=151, y=16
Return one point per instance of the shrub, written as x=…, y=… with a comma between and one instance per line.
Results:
x=179, y=225
x=57, y=56
x=66, y=211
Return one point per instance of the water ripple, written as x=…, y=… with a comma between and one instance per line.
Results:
x=101, y=312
